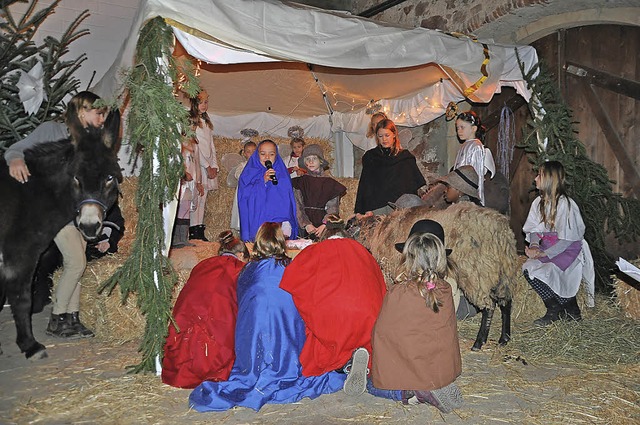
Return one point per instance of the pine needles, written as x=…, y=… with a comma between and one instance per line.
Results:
x=157, y=122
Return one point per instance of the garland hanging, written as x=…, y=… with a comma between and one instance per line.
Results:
x=156, y=122
x=553, y=138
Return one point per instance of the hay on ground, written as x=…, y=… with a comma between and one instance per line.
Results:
x=627, y=293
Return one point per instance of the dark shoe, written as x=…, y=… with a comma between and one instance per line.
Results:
x=197, y=232
x=59, y=326
x=356, y=382
x=73, y=320
x=553, y=313
x=449, y=398
x=570, y=310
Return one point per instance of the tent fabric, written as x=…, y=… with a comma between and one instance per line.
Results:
x=413, y=73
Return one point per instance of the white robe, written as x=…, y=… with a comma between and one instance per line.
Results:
x=569, y=227
x=208, y=158
x=472, y=152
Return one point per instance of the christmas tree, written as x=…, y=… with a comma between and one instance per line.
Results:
x=34, y=77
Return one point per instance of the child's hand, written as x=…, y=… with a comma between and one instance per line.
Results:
x=200, y=188
x=300, y=171
x=320, y=230
x=187, y=177
x=18, y=170
x=267, y=175
x=212, y=173
x=103, y=246
x=533, y=252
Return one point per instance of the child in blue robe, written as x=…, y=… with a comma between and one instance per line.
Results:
x=265, y=194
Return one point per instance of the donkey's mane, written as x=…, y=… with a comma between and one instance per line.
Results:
x=46, y=156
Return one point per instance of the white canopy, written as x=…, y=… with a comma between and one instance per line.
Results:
x=269, y=65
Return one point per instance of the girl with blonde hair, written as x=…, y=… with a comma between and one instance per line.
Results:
x=416, y=353
x=559, y=256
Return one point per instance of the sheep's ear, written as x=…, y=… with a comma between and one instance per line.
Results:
x=111, y=130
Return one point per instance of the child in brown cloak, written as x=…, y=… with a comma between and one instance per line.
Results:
x=317, y=194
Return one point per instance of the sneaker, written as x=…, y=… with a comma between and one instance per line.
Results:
x=356, y=382
x=449, y=398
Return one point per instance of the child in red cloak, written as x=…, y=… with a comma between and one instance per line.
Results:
x=200, y=345
x=338, y=288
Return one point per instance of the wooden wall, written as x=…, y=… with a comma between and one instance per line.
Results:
x=609, y=49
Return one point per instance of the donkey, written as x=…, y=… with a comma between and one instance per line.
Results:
x=71, y=180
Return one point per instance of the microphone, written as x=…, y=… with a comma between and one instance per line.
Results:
x=269, y=166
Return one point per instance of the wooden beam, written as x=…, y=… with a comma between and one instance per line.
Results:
x=617, y=146
x=605, y=80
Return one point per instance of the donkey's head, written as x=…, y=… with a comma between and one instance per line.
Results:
x=96, y=172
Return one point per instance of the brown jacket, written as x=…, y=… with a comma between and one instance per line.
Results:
x=415, y=348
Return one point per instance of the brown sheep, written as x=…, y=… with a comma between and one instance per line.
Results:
x=483, y=246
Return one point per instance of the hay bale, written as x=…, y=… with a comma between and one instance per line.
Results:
x=627, y=294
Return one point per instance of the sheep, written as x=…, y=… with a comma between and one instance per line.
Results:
x=483, y=246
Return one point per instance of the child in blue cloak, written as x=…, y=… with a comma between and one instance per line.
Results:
x=265, y=194
x=268, y=339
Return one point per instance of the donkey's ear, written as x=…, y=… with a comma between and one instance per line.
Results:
x=111, y=132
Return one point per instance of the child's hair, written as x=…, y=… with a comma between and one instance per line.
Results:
x=82, y=100
x=552, y=186
x=297, y=140
x=473, y=119
x=335, y=226
x=270, y=243
x=425, y=262
x=231, y=244
x=391, y=126
x=371, y=131
x=195, y=115
x=246, y=145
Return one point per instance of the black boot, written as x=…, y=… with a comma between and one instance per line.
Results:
x=73, y=321
x=570, y=310
x=59, y=326
x=192, y=232
x=553, y=312
x=197, y=232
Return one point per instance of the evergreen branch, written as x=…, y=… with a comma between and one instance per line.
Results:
x=155, y=122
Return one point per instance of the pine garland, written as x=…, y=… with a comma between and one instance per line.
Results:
x=156, y=122
x=18, y=52
x=603, y=211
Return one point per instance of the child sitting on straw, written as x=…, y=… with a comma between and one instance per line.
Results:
x=317, y=194
x=269, y=336
x=416, y=353
x=200, y=344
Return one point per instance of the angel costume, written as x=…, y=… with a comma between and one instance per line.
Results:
x=207, y=158
x=568, y=257
x=474, y=153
